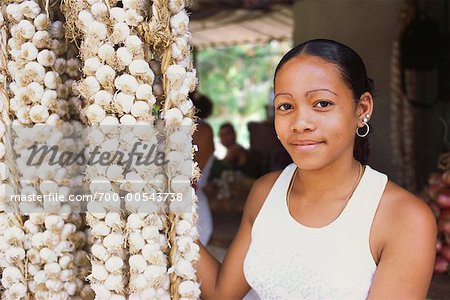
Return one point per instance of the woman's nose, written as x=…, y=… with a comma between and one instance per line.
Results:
x=302, y=121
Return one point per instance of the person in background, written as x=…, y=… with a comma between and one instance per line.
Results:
x=236, y=154
x=204, y=140
x=239, y=158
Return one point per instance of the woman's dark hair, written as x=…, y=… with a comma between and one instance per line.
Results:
x=353, y=71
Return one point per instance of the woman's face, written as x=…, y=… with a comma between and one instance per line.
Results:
x=315, y=113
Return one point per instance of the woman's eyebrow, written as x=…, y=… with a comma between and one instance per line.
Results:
x=283, y=94
x=319, y=90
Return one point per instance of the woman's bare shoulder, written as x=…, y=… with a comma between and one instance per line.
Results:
x=403, y=204
x=258, y=194
x=403, y=213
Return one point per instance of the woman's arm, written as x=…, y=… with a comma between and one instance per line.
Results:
x=409, y=249
x=226, y=280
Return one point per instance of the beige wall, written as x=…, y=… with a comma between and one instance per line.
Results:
x=369, y=27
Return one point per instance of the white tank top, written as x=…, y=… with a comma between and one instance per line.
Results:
x=287, y=260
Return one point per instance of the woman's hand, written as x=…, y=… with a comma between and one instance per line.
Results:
x=227, y=280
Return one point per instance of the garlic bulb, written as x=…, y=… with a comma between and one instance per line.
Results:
x=85, y=18
x=144, y=92
x=72, y=67
x=106, y=75
x=89, y=87
x=58, y=47
x=46, y=58
x=99, y=10
x=35, y=92
x=14, y=11
x=29, y=51
x=180, y=48
x=125, y=101
x=103, y=98
x=133, y=18
x=97, y=31
x=33, y=71
x=124, y=56
x=30, y=9
x=95, y=114
x=127, y=84
x=117, y=14
x=120, y=32
x=107, y=54
x=51, y=80
x=179, y=23
x=13, y=44
x=42, y=39
x=176, y=6
x=140, y=109
x=49, y=98
x=185, y=107
x=60, y=66
x=114, y=172
x=133, y=43
x=130, y=4
x=173, y=116
x=42, y=22
x=109, y=121
x=57, y=30
x=53, y=120
x=26, y=29
x=141, y=69
x=128, y=120
x=113, y=264
x=91, y=65
x=176, y=74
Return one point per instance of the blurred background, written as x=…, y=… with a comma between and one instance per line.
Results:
x=406, y=47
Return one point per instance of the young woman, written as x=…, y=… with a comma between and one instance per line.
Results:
x=327, y=226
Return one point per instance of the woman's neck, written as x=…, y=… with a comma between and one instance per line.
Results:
x=327, y=183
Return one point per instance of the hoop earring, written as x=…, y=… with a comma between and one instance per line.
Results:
x=365, y=133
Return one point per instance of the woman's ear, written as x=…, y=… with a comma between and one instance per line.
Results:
x=365, y=106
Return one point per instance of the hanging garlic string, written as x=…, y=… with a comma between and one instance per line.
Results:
x=11, y=223
x=97, y=89
x=41, y=97
x=179, y=80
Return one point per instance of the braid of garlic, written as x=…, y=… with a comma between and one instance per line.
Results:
x=180, y=79
x=96, y=88
x=12, y=235
x=41, y=98
x=146, y=223
x=118, y=90
x=27, y=87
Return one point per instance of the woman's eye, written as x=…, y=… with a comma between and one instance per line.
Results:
x=284, y=106
x=323, y=104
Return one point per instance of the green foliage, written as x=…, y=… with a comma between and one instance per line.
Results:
x=238, y=80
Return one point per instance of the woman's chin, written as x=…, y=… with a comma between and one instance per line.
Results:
x=309, y=164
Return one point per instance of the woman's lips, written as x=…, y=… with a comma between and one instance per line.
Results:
x=306, y=146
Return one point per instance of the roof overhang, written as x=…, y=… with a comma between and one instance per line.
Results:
x=229, y=27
